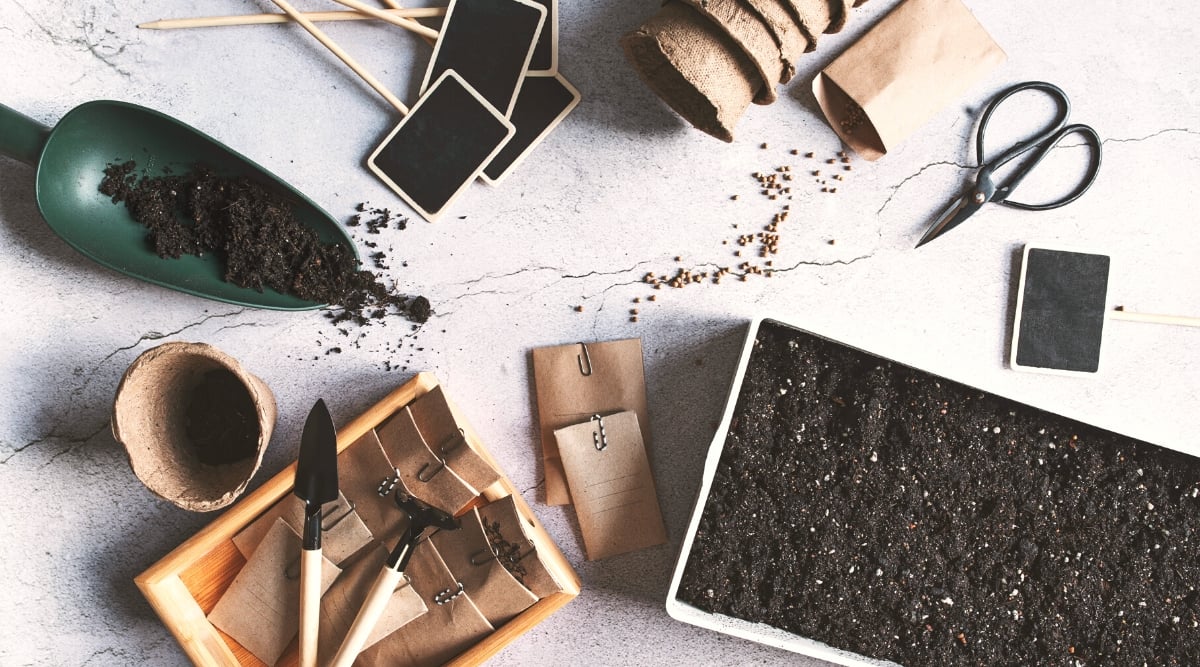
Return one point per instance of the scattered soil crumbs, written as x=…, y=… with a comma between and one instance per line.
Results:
x=221, y=422
x=900, y=516
x=255, y=233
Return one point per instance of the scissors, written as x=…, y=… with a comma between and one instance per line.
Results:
x=986, y=190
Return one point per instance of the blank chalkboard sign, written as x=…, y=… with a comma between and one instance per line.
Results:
x=1061, y=306
x=440, y=146
x=541, y=105
x=489, y=43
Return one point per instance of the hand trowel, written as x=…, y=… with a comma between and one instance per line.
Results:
x=316, y=484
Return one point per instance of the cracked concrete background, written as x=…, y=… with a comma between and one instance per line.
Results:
x=621, y=189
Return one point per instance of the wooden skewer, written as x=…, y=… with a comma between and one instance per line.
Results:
x=259, y=19
x=383, y=15
x=1154, y=319
x=345, y=57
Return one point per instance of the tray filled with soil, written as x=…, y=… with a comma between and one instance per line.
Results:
x=868, y=513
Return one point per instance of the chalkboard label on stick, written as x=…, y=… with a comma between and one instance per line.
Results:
x=441, y=145
x=1061, y=306
x=544, y=101
x=489, y=43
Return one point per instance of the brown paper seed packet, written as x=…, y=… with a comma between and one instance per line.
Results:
x=363, y=468
x=424, y=474
x=693, y=66
x=750, y=33
x=468, y=553
x=340, y=605
x=342, y=532
x=447, y=439
x=570, y=391
x=261, y=608
x=920, y=57
x=612, y=485
x=451, y=625
x=502, y=521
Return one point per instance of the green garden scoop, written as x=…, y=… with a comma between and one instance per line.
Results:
x=71, y=158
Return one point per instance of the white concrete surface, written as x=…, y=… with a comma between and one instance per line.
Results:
x=621, y=189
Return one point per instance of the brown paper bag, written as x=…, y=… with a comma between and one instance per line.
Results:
x=437, y=425
x=920, y=57
x=612, y=485
x=570, y=389
x=362, y=470
x=340, y=605
x=451, y=625
x=425, y=475
x=507, y=530
x=468, y=554
x=342, y=532
x=261, y=608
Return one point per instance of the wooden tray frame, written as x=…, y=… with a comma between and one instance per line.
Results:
x=185, y=584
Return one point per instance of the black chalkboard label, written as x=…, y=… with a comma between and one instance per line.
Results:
x=541, y=105
x=489, y=43
x=440, y=146
x=545, y=53
x=1061, y=306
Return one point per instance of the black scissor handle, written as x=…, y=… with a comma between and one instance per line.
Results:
x=1064, y=111
x=1043, y=142
x=1090, y=137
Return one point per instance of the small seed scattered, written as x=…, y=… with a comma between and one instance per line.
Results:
x=579, y=309
x=764, y=145
x=795, y=152
x=678, y=258
x=831, y=161
x=637, y=299
x=652, y=298
x=633, y=311
x=633, y=318
x=734, y=197
x=848, y=168
x=832, y=241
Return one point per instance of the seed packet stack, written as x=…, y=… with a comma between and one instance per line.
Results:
x=709, y=59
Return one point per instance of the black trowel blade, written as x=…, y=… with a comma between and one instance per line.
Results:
x=316, y=471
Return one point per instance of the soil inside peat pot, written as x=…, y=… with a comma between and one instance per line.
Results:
x=221, y=421
x=900, y=516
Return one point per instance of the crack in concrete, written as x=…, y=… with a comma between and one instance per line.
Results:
x=23, y=447
x=896, y=188
x=155, y=335
x=498, y=276
x=72, y=443
x=1149, y=136
x=540, y=482
x=84, y=42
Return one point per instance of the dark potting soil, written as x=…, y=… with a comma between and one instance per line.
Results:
x=900, y=516
x=255, y=233
x=221, y=422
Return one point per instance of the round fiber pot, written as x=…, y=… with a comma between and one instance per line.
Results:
x=194, y=423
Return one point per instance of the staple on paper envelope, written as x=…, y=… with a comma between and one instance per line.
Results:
x=441, y=146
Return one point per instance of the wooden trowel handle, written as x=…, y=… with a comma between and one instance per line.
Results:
x=372, y=608
x=310, y=605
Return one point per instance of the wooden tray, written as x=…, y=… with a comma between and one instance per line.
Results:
x=185, y=585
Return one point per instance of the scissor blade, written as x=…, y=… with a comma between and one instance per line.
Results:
x=954, y=215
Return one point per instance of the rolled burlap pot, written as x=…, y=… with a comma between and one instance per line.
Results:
x=151, y=419
x=695, y=67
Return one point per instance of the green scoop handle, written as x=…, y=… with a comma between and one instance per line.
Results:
x=21, y=137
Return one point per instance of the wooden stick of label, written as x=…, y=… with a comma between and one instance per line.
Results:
x=342, y=55
x=260, y=19
x=383, y=15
